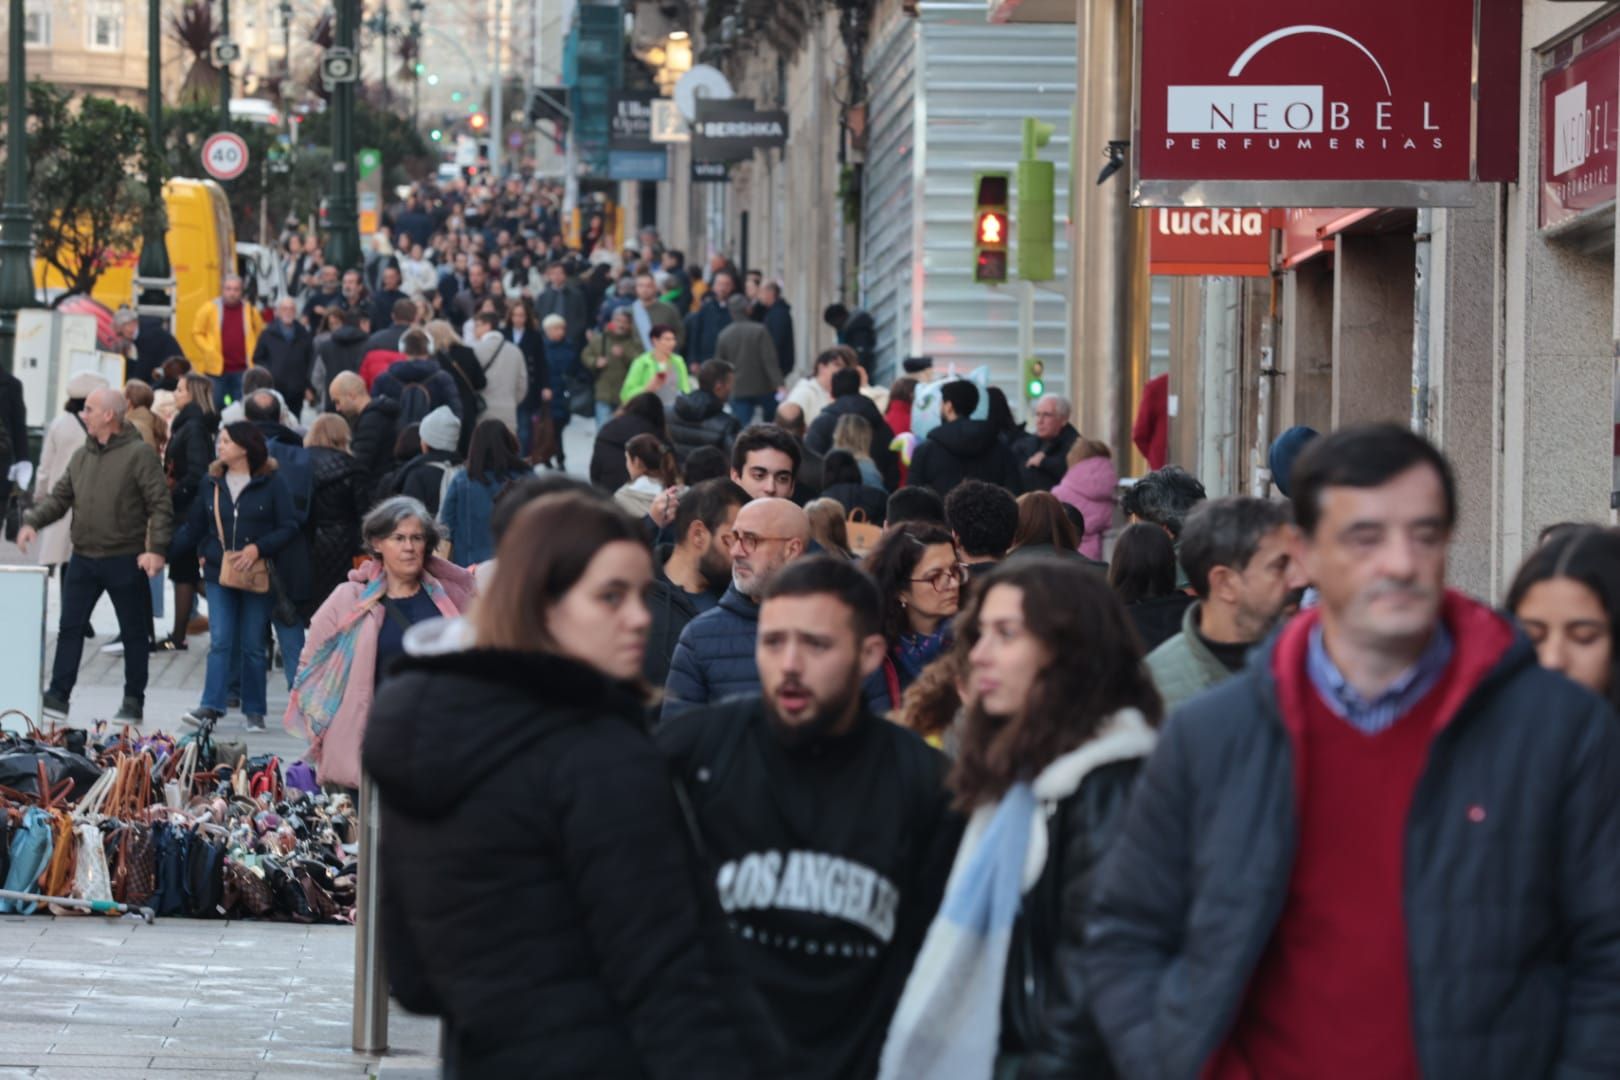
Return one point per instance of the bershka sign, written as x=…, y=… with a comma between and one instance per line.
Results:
x=1304, y=102
x=731, y=130
x=1210, y=241
x=1579, y=135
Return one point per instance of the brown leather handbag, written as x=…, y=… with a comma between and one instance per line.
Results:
x=256, y=578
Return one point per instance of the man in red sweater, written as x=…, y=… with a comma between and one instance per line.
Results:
x=1390, y=848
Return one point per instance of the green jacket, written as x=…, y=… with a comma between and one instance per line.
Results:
x=643, y=370
x=119, y=496
x=610, y=379
x=1183, y=667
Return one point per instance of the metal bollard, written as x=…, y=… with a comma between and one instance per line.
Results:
x=370, y=979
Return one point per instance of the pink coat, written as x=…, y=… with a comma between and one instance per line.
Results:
x=335, y=752
x=1089, y=488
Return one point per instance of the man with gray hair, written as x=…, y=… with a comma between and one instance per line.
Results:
x=1240, y=555
x=121, y=536
x=1043, y=455
x=287, y=350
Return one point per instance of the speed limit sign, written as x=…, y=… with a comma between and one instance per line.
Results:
x=225, y=155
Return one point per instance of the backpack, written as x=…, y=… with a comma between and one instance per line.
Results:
x=297, y=471
x=414, y=404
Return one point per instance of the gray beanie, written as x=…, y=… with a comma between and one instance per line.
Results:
x=440, y=430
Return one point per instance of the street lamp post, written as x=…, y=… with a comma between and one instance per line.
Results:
x=343, y=210
x=153, y=275
x=382, y=37
x=286, y=42
x=225, y=68
x=418, y=7
x=16, y=275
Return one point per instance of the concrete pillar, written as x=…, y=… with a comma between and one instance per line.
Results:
x=1372, y=329
x=1305, y=347
x=1465, y=351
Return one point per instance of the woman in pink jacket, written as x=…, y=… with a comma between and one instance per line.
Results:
x=1089, y=487
x=361, y=629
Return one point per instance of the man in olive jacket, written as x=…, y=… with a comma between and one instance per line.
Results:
x=1388, y=847
x=121, y=535
x=747, y=346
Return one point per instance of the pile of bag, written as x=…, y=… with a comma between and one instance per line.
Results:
x=188, y=827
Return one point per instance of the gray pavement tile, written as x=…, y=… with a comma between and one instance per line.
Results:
x=127, y=1062
x=7, y=1073
x=221, y=1062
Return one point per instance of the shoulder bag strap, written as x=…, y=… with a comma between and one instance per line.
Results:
x=218, y=524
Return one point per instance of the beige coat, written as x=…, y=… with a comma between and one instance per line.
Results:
x=62, y=438
x=507, y=377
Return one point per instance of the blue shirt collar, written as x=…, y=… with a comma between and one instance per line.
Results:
x=1396, y=700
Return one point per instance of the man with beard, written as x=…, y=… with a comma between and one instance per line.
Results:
x=1239, y=556
x=828, y=829
x=714, y=657
x=690, y=578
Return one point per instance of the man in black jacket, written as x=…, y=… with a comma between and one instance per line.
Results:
x=961, y=448
x=703, y=326
x=385, y=301
x=343, y=350
x=849, y=401
x=286, y=349
x=397, y=319
x=374, y=423
x=855, y=329
x=1384, y=849
x=690, y=578
x=828, y=830
x=418, y=382
x=561, y=298
x=779, y=322
x=1043, y=455
x=700, y=418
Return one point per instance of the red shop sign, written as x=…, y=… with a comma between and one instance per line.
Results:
x=1579, y=133
x=1193, y=241
x=1304, y=103
x=1308, y=233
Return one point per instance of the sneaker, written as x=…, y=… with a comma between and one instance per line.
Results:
x=254, y=723
x=55, y=707
x=129, y=712
x=201, y=715
x=113, y=648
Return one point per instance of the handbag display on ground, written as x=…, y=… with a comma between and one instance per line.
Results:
x=256, y=578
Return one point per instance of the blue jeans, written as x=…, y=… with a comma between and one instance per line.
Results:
x=227, y=385
x=743, y=408
x=83, y=582
x=290, y=636
x=604, y=413
x=236, y=621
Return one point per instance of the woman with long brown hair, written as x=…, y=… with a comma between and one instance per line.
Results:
x=544, y=897
x=1063, y=713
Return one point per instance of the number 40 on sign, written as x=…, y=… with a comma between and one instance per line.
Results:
x=225, y=155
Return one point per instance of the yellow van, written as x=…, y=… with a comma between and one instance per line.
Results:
x=202, y=250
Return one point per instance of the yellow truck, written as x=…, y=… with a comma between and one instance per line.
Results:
x=202, y=249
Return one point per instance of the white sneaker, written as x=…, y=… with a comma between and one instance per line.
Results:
x=113, y=648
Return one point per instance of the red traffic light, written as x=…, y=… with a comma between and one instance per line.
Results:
x=477, y=121
x=992, y=229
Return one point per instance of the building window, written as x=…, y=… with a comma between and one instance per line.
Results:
x=37, y=24
x=106, y=30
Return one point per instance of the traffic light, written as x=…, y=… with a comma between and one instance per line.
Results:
x=477, y=120
x=1034, y=379
x=990, y=224
x=436, y=134
x=1037, y=260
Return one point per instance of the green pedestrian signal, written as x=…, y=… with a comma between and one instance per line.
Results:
x=435, y=134
x=1037, y=182
x=990, y=228
x=1034, y=379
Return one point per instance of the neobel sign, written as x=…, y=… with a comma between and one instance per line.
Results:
x=1210, y=241
x=1304, y=103
x=1579, y=95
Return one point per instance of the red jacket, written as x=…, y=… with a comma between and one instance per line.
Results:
x=1151, y=433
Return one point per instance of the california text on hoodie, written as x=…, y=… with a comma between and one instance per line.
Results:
x=540, y=890
x=830, y=858
x=962, y=450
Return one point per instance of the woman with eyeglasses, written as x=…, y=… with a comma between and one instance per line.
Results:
x=917, y=567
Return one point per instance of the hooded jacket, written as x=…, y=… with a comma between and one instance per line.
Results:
x=830, y=857
x=119, y=497
x=189, y=452
x=1089, y=488
x=425, y=478
x=1510, y=892
x=262, y=516
x=714, y=657
x=343, y=350
x=608, y=470
x=290, y=362
x=962, y=450
x=700, y=419
x=539, y=887
x=426, y=373
x=820, y=436
x=372, y=443
x=1054, y=462
x=672, y=609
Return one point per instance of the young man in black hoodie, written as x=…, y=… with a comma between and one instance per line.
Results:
x=690, y=577
x=962, y=448
x=828, y=829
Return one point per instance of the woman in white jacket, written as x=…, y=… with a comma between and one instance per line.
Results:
x=65, y=435
x=507, y=378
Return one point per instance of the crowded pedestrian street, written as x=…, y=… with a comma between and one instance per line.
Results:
x=916, y=541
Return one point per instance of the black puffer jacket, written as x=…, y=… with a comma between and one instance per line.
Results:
x=333, y=527
x=189, y=453
x=539, y=887
x=372, y=442
x=962, y=450
x=672, y=608
x=608, y=470
x=1512, y=914
x=700, y=419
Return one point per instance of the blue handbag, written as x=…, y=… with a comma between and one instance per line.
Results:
x=30, y=852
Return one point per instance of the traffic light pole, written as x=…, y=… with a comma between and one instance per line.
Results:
x=153, y=275
x=16, y=271
x=343, y=210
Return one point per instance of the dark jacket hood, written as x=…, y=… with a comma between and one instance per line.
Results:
x=414, y=371
x=385, y=405
x=965, y=438
x=738, y=604
x=349, y=335
x=698, y=406
x=216, y=469
x=426, y=769
x=127, y=433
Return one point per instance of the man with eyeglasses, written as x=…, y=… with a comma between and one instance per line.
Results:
x=714, y=657
x=1043, y=455
x=827, y=829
